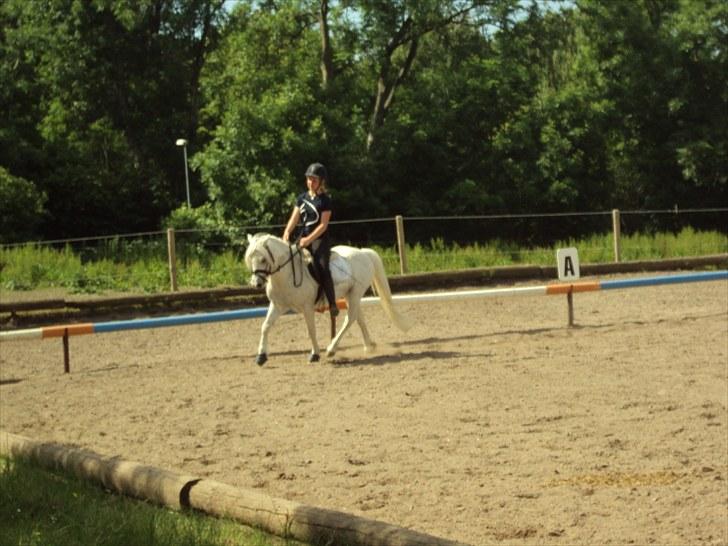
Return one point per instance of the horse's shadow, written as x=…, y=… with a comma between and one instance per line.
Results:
x=380, y=360
x=430, y=341
x=395, y=358
x=337, y=361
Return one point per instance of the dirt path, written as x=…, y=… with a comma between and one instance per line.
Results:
x=490, y=422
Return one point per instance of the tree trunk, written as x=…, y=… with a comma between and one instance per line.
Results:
x=327, y=54
x=387, y=85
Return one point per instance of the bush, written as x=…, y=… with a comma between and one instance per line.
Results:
x=203, y=225
x=21, y=208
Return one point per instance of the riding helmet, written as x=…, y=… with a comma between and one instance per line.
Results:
x=317, y=170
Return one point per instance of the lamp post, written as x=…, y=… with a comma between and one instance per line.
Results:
x=183, y=142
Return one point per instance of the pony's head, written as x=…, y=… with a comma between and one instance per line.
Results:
x=259, y=259
x=267, y=254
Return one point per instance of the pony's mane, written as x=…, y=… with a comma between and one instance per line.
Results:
x=261, y=237
x=256, y=239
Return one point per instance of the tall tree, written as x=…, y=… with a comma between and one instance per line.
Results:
x=628, y=41
x=114, y=84
x=327, y=53
x=263, y=117
x=698, y=104
x=392, y=32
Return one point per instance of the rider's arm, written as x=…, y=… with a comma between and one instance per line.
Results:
x=292, y=223
x=319, y=231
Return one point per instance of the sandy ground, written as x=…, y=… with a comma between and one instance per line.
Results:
x=490, y=422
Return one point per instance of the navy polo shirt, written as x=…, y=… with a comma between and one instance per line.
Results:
x=311, y=209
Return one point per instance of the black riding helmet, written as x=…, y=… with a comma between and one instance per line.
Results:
x=317, y=170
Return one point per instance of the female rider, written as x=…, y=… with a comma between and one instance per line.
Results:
x=313, y=209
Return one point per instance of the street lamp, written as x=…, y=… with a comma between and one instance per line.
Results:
x=182, y=142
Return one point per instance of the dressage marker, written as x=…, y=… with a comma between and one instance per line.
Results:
x=180, y=320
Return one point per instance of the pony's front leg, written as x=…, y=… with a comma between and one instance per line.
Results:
x=308, y=314
x=270, y=318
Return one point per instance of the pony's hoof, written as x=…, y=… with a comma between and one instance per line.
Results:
x=314, y=357
x=261, y=359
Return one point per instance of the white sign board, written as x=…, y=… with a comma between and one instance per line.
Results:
x=567, y=264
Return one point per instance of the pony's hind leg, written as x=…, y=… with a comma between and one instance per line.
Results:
x=331, y=349
x=353, y=314
x=369, y=345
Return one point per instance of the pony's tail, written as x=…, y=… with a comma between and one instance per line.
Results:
x=381, y=287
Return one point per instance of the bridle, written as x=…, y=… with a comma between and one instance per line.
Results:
x=263, y=274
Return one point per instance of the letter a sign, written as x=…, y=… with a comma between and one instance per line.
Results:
x=567, y=264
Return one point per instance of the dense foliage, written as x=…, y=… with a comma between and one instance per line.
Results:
x=417, y=107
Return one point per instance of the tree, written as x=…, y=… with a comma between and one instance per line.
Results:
x=113, y=83
x=699, y=100
x=663, y=66
x=392, y=33
x=263, y=119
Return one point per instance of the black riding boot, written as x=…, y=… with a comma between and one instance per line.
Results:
x=328, y=285
x=321, y=255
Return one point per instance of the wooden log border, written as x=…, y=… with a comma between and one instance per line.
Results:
x=287, y=519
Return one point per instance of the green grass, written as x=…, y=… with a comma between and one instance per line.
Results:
x=594, y=249
x=41, y=508
x=141, y=266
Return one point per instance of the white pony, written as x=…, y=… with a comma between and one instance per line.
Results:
x=282, y=268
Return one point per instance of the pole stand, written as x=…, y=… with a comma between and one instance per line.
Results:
x=570, y=301
x=66, y=358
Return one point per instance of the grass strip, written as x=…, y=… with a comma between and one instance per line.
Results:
x=143, y=266
x=39, y=507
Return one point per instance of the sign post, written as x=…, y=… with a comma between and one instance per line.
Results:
x=567, y=265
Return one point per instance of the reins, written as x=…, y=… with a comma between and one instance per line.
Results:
x=293, y=264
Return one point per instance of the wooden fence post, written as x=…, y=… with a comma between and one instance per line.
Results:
x=172, y=256
x=401, y=245
x=66, y=351
x=616, y=231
